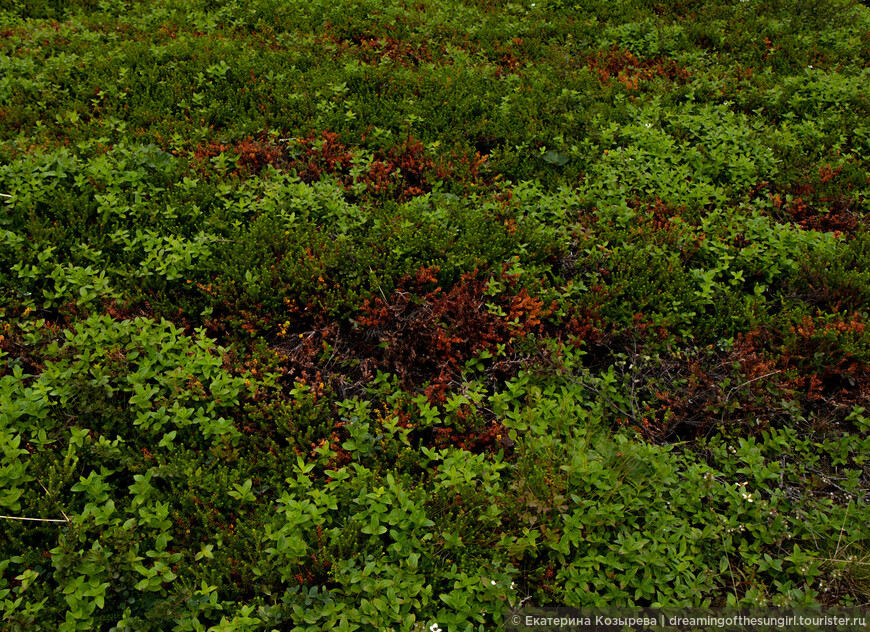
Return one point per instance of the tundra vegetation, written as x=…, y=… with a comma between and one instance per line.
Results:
x=371, y=314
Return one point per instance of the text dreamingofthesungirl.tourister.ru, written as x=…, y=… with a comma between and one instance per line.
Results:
x=663, y=620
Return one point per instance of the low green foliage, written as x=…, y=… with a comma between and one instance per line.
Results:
x=368, y=316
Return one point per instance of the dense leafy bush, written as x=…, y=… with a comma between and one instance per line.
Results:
x=369, y=316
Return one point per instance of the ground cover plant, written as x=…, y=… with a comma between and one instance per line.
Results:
x=385, y=315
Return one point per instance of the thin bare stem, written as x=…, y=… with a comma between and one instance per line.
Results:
x=760, y=377
x=607, y=399
x=49, y=494
x=843, y=528
x=34, y=519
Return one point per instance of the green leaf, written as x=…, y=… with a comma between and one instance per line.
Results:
x=555, y=158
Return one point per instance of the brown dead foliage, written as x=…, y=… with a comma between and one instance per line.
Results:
x=462, y=167
x=325, y=154
x=687, y=395
x=423, y=334
x=254, y=155
x=428, y=335
x=831, y=353
x=205, y=151
x=829, y=290
x=128, y=310
x=818, y=366
x=413, y=160
x=401, y=172
x=506, y=58
x=371, y=50
x=819, y=204
x=622, y=64
x=840, y=219
x=810, y=364
x=666, y=224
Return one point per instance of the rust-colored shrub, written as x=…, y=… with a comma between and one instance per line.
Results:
x=621, y=64
x=325, y=154
x=254, y=155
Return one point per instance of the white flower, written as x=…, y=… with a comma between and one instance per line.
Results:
x=492, y=581
x=434, y=628
x=513, y=586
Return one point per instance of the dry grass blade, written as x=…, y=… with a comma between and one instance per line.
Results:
x=34, y=519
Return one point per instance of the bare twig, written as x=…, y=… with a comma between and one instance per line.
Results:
x=608, y=400
x=634, y=381
x=843, y=528
x=379, y=286
x=739, y=386
x=520, y=605
x=830, y=481
x=34, y=519
x=49, y=493
x=760, y=377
